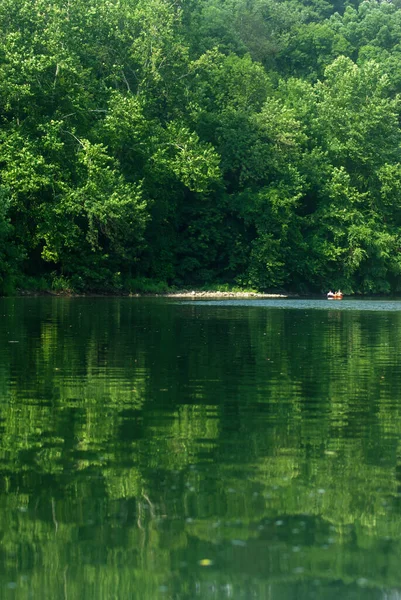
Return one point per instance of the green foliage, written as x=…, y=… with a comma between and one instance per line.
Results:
x=30, y=284
x=229, y=288
x=238, y=140
x=144, y=285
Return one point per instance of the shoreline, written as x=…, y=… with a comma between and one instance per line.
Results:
x=212, y=294
x=194, y=294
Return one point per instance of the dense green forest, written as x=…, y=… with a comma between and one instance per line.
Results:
x=200, y=142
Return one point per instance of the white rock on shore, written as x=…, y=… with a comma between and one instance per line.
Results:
x=195, y=295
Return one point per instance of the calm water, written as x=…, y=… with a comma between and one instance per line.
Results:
x=159, y=449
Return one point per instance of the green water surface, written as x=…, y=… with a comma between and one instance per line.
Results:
x=163, y=449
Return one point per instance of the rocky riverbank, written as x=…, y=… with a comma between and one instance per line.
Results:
x=195, y=295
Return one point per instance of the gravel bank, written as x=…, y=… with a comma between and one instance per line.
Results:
x=195, y=295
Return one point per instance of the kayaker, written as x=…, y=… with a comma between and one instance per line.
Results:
x=330, y=294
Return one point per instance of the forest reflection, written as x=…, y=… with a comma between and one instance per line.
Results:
x=156, y=449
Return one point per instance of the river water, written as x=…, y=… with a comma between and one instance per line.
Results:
x=167, y=449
